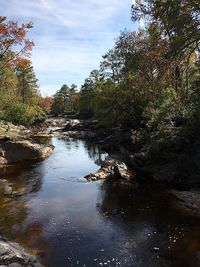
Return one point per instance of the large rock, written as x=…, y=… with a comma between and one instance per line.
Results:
x=13, y=255
x=188, y=201
x=11, y=130
x=113, y=169
x=18, y=151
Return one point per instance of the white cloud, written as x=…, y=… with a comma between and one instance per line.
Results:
x=70, y=35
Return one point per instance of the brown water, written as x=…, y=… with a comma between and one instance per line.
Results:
x=66, y=221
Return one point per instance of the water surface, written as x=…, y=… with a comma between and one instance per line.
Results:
x=67, y=221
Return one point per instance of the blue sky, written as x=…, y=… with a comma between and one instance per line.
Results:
x=70, y=35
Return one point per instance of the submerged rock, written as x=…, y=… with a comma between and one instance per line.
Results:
x=112, y=169
x=18, y=151
x=13, y=255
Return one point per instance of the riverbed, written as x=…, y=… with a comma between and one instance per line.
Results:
x=66, y=221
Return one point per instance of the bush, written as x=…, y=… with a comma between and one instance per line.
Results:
x=15, y=111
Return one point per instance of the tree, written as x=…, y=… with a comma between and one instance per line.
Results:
x=46, y=104
x=19, y=91
x=64, y=101
x=14, y=44
x=178, y=20
x=27, y=87
x=88, y=91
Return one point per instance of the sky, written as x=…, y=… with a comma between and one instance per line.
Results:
x=70, y=36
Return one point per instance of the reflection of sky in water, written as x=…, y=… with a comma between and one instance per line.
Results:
x=72, y=159
x=67, y=221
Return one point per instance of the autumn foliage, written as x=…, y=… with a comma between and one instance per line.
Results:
x=18, y=82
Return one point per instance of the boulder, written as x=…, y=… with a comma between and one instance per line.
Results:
x=11, y=130
x=113, y=168
x=13, y=255
x=18, y=151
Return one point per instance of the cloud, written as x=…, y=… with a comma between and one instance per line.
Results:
x=70, y=36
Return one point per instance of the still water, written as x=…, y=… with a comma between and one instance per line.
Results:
x=66, y=221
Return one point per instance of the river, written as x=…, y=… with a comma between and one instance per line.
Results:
x=66, y=221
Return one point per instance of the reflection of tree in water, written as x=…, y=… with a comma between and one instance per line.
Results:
x=153, y=229
x=25, y=178
x=13, y=213
x=32, y=237
x=14, y=209
x=66, y=142
x=24, y=181
x=95, y=153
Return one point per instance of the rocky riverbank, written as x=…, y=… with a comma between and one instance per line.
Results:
x=17, y=144
x=179, y=169
x=121, y=166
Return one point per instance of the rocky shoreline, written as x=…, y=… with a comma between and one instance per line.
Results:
x=17, y=146
x=179, y=170
x=121, y=166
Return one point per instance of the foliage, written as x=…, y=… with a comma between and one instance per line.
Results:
x=65, y=100
x=20, y=98
x=149, y=81
x=12, y=109
x=46, y=104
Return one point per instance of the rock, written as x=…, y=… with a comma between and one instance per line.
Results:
x=3, y=161
x=73, y=128
x=123, y=171
x=13, y=255
x=112, y=169
x=56, y=122
x=101, y=174
x=11, y=130
x=79, y=135
x=41, y=135
x=188, y=201
x=5, y=188
x=18, y=151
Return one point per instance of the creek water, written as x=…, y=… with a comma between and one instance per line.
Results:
x=66, y=221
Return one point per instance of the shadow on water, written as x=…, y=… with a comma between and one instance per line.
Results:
x=157, y=233
x=68, y=222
